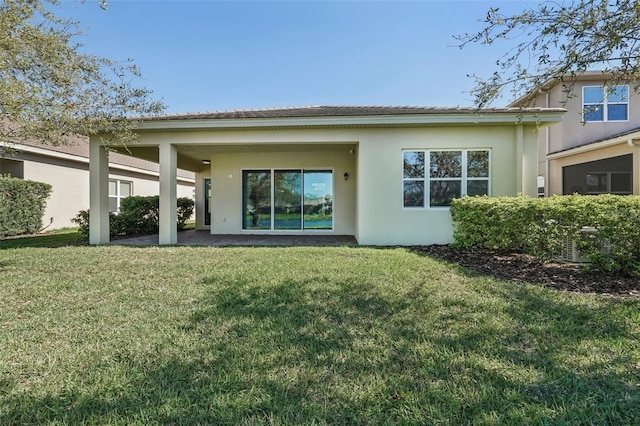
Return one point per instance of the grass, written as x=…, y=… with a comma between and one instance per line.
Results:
x=306, y=335
x=56, y=238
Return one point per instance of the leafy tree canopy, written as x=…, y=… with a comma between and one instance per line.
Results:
x=555, y=42
x=50, y=89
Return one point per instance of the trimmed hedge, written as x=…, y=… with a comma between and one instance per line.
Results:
x=22, y=204
x=138, y=216
x=539, y=227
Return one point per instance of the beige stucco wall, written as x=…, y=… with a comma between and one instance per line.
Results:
x=370, y=204
x=572, y=131
x=382, y=219
x=70, y=185
x=556, y=164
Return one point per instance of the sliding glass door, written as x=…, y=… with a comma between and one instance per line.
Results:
x=287, y=199
x=256, y=199
x=318, y=199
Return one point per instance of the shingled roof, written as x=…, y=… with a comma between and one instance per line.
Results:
x=341, y=111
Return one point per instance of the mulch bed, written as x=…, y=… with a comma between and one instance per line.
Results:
x=522, y=268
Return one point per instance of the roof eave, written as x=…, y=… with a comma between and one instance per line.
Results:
x=540, y=117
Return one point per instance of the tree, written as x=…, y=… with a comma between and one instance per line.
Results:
x=557, y=41
x=50, y=90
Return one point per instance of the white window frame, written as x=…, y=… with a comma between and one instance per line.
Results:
x=605, y=104
x=464, y=179
x=118, y=196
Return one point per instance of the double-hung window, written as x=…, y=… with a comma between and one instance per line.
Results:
x=118, y=190
x=432, y=178
x=605, y=103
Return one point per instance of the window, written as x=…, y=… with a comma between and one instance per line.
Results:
x=605, y=103
x=118, y=189
x=287, y=199
x=609, y=183
x=434, y=178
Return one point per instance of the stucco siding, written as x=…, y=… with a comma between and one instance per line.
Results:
x=382, y=219
x=369, y=204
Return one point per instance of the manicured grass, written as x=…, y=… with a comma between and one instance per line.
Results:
x=56, y=238
x=332, y=335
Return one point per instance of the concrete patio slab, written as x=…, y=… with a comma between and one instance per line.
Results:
x=204, y=238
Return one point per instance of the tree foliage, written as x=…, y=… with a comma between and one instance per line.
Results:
x=555, y=41
x=50, y=89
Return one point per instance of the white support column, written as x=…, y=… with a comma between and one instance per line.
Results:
x=168, y=194
x=519, y=159
x=98, y=194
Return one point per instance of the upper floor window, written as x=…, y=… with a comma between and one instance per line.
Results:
x=605, y=103
x=434, y=178
x=118, y=189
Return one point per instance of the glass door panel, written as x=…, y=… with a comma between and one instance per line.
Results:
x=287, y=196
x=207, y=201
x=256, y=199
x=318, y=199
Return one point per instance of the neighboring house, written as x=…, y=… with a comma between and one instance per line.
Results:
x=596, y=147
x=66, y=169
x=385, y=175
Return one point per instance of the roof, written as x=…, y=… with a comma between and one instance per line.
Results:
x=338, y=111
x=79, y=147
x=325, y=116
x=613, y=138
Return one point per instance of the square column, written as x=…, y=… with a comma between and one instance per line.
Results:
x=168, y=194
x=98, y=194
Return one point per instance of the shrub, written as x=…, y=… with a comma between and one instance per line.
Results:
x=539, y=227
x=137, y=216
x=22, y=204
x=185, y=211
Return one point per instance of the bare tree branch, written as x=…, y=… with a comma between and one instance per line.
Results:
x=560, y=40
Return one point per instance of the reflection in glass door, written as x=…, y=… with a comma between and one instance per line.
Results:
x=318, y=199
x=256, y=199
x=207, y=201
x=287, y=199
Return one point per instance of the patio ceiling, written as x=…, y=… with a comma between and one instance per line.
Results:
x=190, y=156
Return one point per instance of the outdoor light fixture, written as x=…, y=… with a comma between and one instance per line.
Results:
x=346, y=175
x=206, y=162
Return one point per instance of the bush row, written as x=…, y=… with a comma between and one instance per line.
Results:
x=22, y=204
x=540, y=227
x=137, y=216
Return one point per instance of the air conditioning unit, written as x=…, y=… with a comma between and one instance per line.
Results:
x=570, y=252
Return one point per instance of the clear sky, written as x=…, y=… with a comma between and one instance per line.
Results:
x=220, y=55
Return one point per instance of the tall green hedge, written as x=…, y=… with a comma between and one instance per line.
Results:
x=22, y=204
x=539, y=226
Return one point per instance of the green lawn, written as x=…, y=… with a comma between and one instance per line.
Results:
x=125, y=335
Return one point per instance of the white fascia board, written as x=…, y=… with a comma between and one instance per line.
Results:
x=514, y=118
x=594, y=146
x=83, y=160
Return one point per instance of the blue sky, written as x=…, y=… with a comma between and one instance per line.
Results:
x=217, y=55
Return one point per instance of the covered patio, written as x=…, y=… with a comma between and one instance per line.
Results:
x=205, y=238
